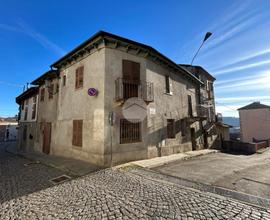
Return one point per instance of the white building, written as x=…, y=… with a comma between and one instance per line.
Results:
x=254, y=122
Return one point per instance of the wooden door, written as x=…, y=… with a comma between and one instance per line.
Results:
x=193, y=138
x=46, y=138
x=131, y=78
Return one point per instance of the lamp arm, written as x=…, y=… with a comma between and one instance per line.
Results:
x=197, y=53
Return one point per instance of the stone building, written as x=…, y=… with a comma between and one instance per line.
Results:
x=206, y=105
x=117, y=100
x=27, y=129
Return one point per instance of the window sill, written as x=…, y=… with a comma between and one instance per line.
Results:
x=170, y=94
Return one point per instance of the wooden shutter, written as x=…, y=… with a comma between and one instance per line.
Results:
x=131, y=70
x=74, y=134
x=79, y=77
x=77, y=133
x=167, y=84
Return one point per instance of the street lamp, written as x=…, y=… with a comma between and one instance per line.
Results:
x=207, y=35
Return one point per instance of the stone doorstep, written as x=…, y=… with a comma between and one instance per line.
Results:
x=159, y=161
x=262, y=150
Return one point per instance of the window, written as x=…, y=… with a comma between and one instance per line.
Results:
x=170, y=128
x=167, y=85
x=77, y=133
x=34, y=107
x=26, y=102
x=50, y=91
x=22, y=105
x=64, y=80
x=25, y=113
x=190, y=112
x=42, y=94
x=79, y=77
x=129, y=132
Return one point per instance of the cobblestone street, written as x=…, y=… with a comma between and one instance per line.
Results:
x=107, y=194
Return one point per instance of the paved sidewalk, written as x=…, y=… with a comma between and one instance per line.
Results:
x=159, y=161
x=72, y=166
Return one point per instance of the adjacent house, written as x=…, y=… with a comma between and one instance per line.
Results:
x=27, y=130
x=8, y=130
x=254, y=122
x=206, y=104
x=113, y=100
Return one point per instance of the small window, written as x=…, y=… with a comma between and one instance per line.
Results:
x=129, y=132
x=25, y=113
x=50, y=91
x=42, y=94
x=167, y=84
x=77, y=133
x=79, y=77
x=170, y=128
x=64, y=80
x=26, y=102
x=22, y=105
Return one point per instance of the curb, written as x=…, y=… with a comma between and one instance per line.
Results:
x=239, y=196
x=186, y=156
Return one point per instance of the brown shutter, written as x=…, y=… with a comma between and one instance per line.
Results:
x=135, y=71
x=79, y=133
x=127, y=69
x=74, y=136
x=131, y=70
x=76, y=78
x=81, y=76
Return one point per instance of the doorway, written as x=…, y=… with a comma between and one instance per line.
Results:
x=46, y=138
x=193, y=138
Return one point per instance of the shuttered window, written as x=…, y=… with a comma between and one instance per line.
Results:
x=77, y=133
x=79, y=77
x=64, y=80
x=129, y=132
x=42, y=94
x=34, y=106
x=167, y=84
x=25, y=113
x=170, y=128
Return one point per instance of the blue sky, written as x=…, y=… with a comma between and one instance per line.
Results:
x=34, y=34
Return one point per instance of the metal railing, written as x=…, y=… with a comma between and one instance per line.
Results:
x=125, y=89
x=202, y=111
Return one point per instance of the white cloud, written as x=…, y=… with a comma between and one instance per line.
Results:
x=23, y=27
x=242, y=67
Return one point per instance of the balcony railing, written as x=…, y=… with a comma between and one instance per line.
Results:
x=202, y=111
x=125, y=89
